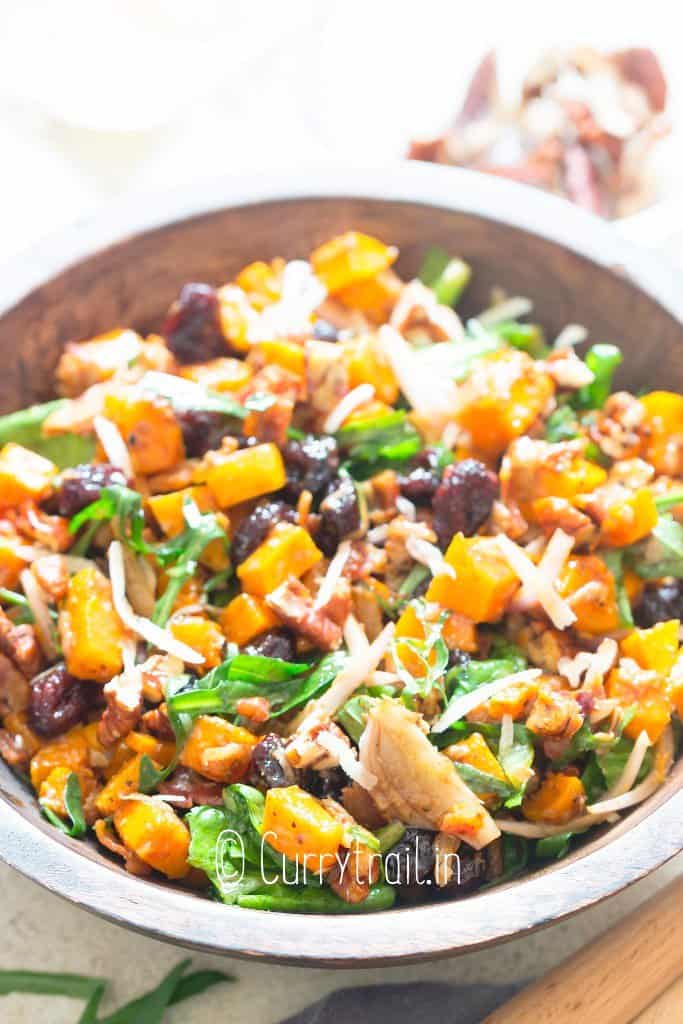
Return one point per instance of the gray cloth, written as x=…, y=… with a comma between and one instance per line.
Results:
x=426, y=1002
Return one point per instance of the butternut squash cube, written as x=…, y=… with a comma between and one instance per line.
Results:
x=23, y=475
x=69, y=751
x=222, y=374
x=246, y=474
x=629, y=520
x=150, y=430
x=262, y=282
x=298, y=826
x=218, y=749
x=236, y=316
x=648, y=693
x=160, y=751
x=503, y=396
x=156, y=834
x=52, y=789
x=89, y=628
x=350, y=258
x=245, y=617
x=475, y=752
x=12, y=560
x=664, y=418
x=483, y=584
x=596, y=612
x=656, y=648
x=288, y=551
x=558, y=799
x=126, y=780
x=202, y=635
x=286, y=354
x=167, y=509
x=84, y=363
x=375, y=297
x=367, y=364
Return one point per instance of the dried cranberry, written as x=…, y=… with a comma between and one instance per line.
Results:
x=270, y=768
x=82, y=485
x=463, y=499
x=458, y=658
x=411, y=860
x=58, y=701
x=659, y=604
x=312, y=465
x=323, y=330
x=202, y=430
x=469, y=870
x=192, y=326
x=586, y=701
x=253, y=530
x=325, y=784
x=339, y=516
x=276, y=643
x=419, y=484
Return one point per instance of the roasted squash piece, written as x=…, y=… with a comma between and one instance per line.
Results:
x=89, y=628
x=150, y=430
x=474, y=751
x=288, y=551
x=483, y=584
x=644, y=690
x=124, y=781
x=245, y=474
x=375, y=297
x=286, y=354
x=558, y=799
x=68, y=751
x=202, y=635
x=218, y=749
x=367, y=364
x=595, y=606
x=298, y=826
x=656, y=648
x=245, y=617
x=664, y=419
x=24, y=476
x=350, y=258
x=629, y=520
x=155, y=833
x=13, y=551
x=84, y=363
x=167, y=509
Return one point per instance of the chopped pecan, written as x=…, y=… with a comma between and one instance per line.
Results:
x=418, y=310
x=559, y=514
x=555, y=717
x=21, y=645
x=156, y=672
x=271, y=424
x=362, y=807
x=13, y=749
x=294, y=604
x=507, y=518
x=195, y=789
x=157, y=723
x=14, y=687
x=567, y=370
x=543, y=645
x=51, y=531
x=124, y=707
x=327, y=377
x=620, y=427
x=256, y=709
x=364, y=560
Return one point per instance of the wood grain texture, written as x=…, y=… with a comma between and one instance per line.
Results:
x=611, y=980
x=131, y=283
x=667, y=1009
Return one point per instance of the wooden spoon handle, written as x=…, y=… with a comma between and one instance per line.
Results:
x=615, y=977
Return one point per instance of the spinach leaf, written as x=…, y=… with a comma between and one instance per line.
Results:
x=553, y=847
x=665, y=502
x=582, y=742
x=383, y=442
x=313, y=900
x=515, y=859
x=184, y=552
x=603, y=360
x=121, y=504
x=526, y=337
x=186, y=394
x=149, y=776
x=614, y=560
x=562, y=425
x=661, y=554
x=433, y=264
x=518, y=758
x=430, y=654
x=218, y=849
x=613, y=761
x=593, y=779
x=483, y=782
x=73, y=802
x=26, y=428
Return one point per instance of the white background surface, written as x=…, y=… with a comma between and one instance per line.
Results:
x=100, y=98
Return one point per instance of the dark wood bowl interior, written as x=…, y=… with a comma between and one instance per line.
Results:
x=132, y=282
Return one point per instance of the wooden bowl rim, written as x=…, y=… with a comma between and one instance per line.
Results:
x=613, y=861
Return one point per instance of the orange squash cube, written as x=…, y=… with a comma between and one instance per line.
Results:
x=167, y=509
x=84, y=363
x=286, y=354
x=245, y=474
x=367, y=364
x=156, y=834
x=52, y=789
x=298, y=826
x=89, y=628
x=475, y=752
x=160, y=751
x=459, y=632
x=124, y=781
x=236, y=315
x=655, y=649
x=223, y=374
x=596, y=612
x=503, y=396
x=483, y=584
x=23, y=475
x=262, y=282
x=558, y=799
x=69, y=751
x=536, y=471
x=409, y=626
x=218, y=749
x=375, y=297
x=150, y=430
x=647, y=693
x=514, y=701
x=349, y=258
x=245, y=617
x=664, y=418
x=202, y=635
x=12, y=559
x=629, y=520
x=288, y=551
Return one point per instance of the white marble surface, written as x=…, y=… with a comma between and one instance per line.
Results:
x=263, y=85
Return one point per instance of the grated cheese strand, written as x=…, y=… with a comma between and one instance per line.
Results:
x=458, y=708
x=359, y=396
x=536, y=583
x=114, y=446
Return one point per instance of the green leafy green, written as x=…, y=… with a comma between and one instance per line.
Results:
x=612, y=761
x=26, y=428
x=384, y=442
x=433, y=264
x=661, y=554
x=562, y=425
x=482, y=782
x=122, y=505
x=417, y=575
x=592, y=779
x=184, y=552
x=430, y=653
x=389, y=835
x=665, y=502
x=553, y=847
x=149, y=776
x=73, y=802
x=603, y=361
x=527, y=337
x=614, y=560
x=515, y=859
x=581, y=742
x=311, y=900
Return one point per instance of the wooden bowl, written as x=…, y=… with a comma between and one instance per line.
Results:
x=124, y=269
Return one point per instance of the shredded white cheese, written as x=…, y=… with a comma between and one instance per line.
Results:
x=355, y=672
x=509, y=309
x=458, y=708
x=428, y=554
x=587, y=666
x=347, y=759
x=126, y=688
x=154, y=799
x=361, y=395
x=432, y=395
x=148, y=630
x=552, y=562
x=531, y=830
x=334, y=573
x=537, y=583
x=630, y=799
x=507, y=736
x=630, y=773
x=571, y=335
x=114, y=446
x=41, y=613
x=406, y=508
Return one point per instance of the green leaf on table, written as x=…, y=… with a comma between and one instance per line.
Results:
x=25, y=427
x=73, y=802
